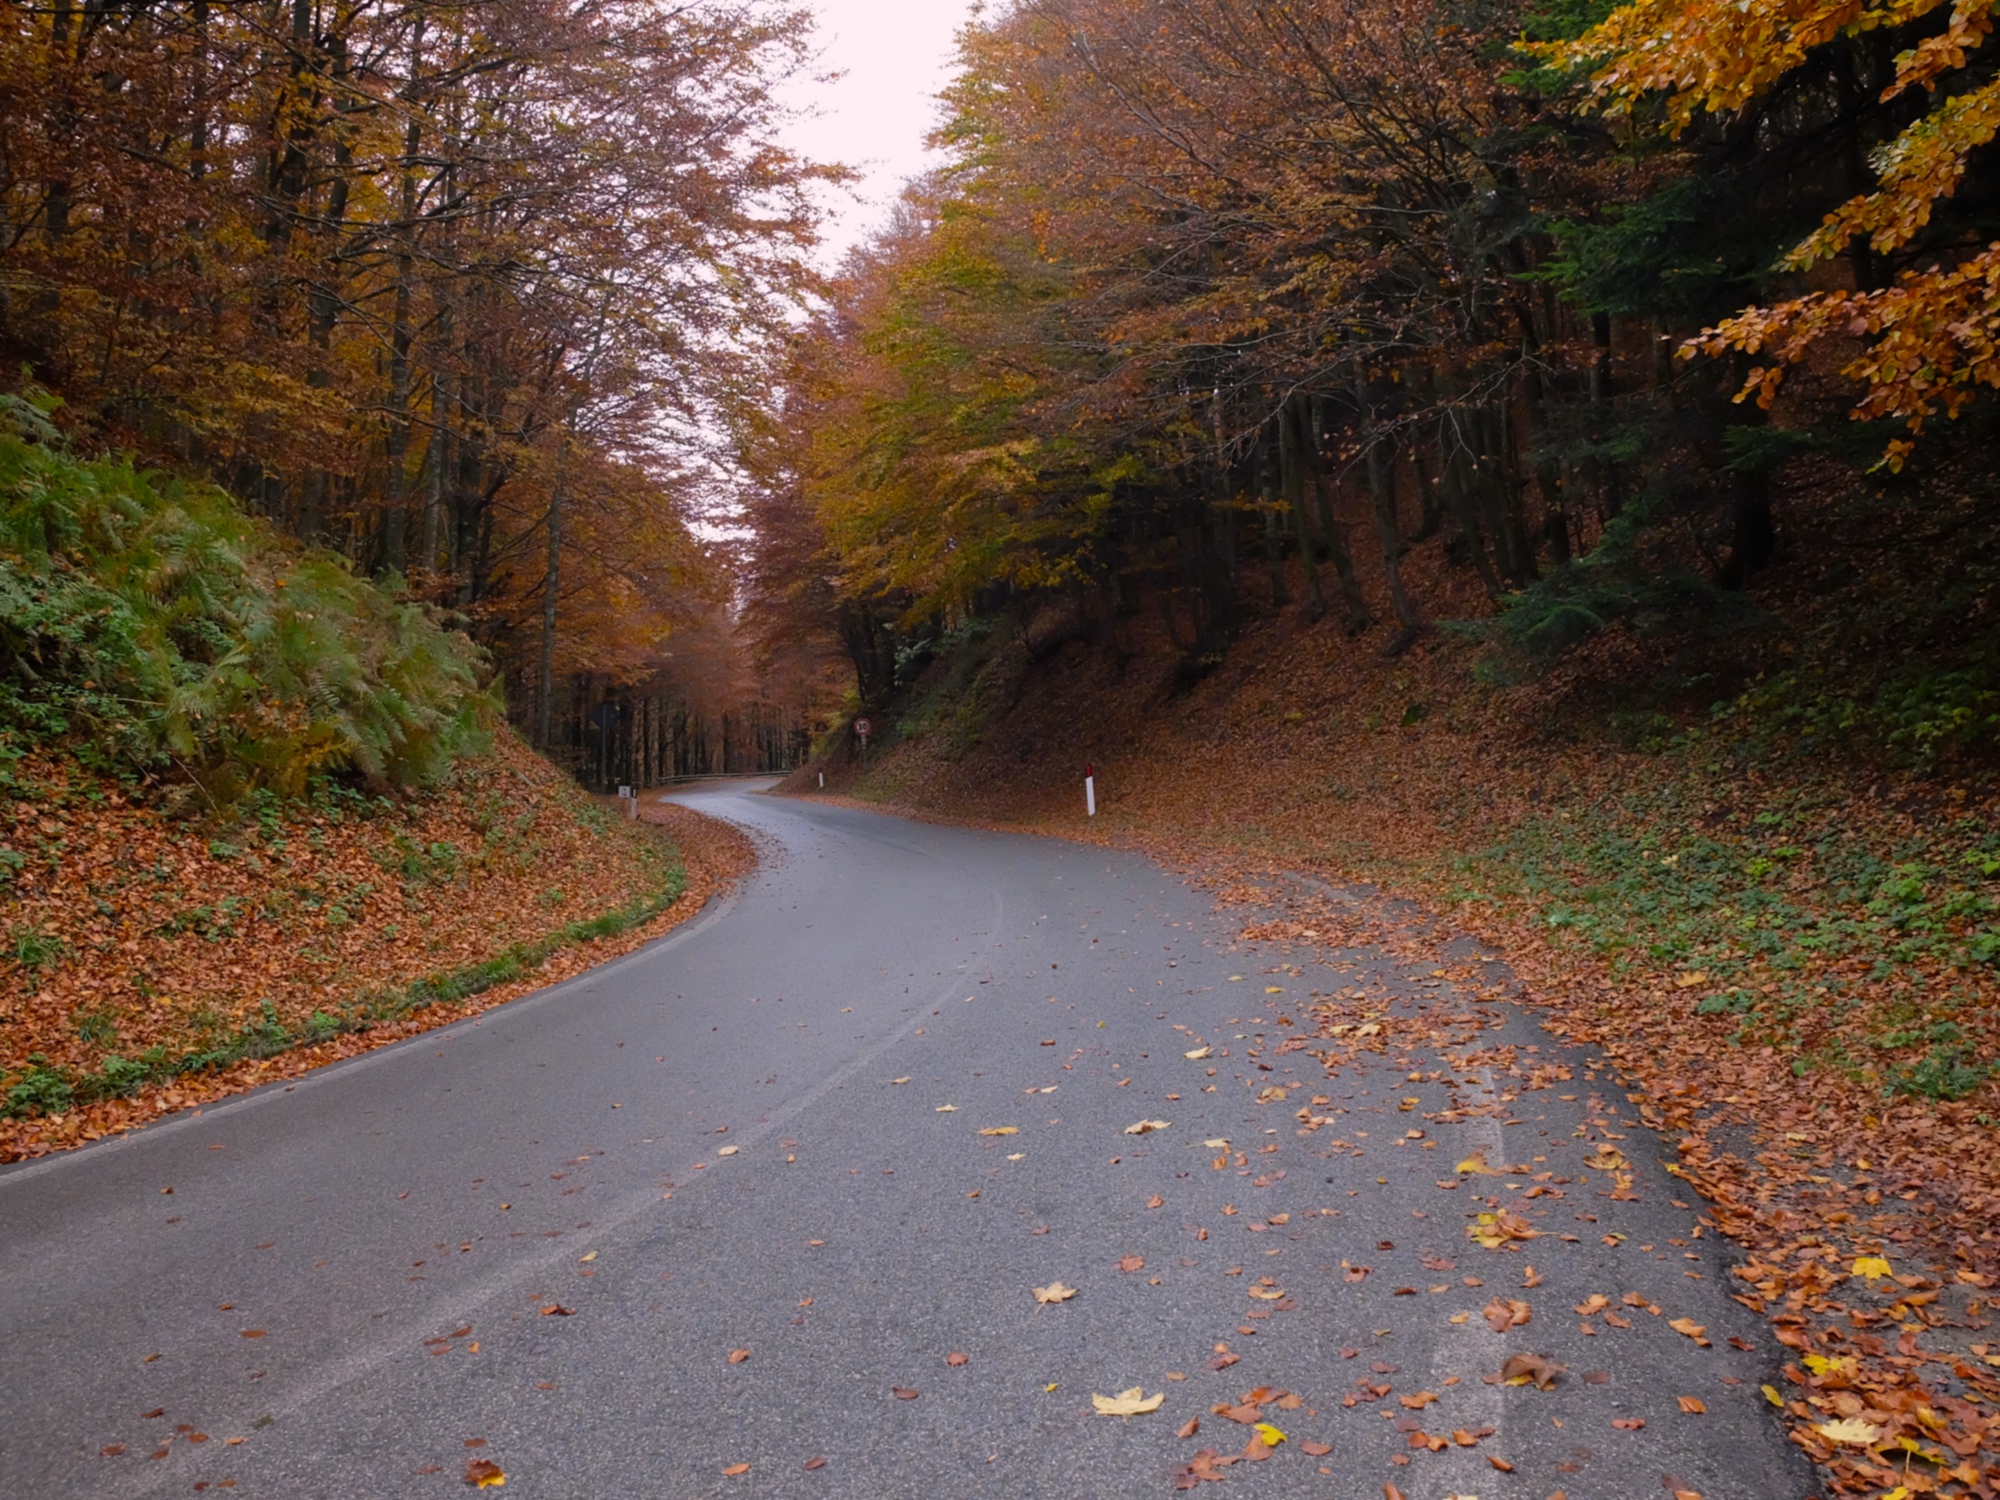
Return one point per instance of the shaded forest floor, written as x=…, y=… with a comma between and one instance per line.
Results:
x=155, y=964
x=1786, y=955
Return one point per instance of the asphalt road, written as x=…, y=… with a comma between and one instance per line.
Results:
x=344, y=1292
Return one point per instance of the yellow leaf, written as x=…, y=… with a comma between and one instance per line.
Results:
x=1476, y=1164
x=1127, y=1403
x=1771, y=1395
x=1272, y=989
x=1001, y=1130
x=1820, y=1364
x=727, y=1150
x=947, y=1109
x=1271, y=1436
x=1049, y=1388
x=590, y=1257
x=1197, y=1055
x=1216, y=1145
x=1055, y=1291
x=1689, y=980
x=1144, y=1126
x=899, y=1080
x=1849, y=1430
x=1872, y=1266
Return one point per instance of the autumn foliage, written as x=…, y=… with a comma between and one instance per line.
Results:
x=467, y=295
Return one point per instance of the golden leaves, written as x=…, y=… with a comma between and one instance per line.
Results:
x=1001, y=1130
x=1132, y=1403
x=1146, y=1127
x=1055, y=1291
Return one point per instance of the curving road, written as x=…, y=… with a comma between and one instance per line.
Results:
x=344, y=1292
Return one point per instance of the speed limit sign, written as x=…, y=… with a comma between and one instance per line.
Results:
x=863, y=728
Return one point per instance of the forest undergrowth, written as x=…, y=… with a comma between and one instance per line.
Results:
x=1716, y=864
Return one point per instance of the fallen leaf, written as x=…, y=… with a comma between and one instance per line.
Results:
x=1144, y=1127
x=1156, y=1201
x=1188, y=1428
x=1500, y=1463
x=1628, y=1424
x=1691, y=1328
x=1503, y=1313
x=1694, y=1406
x=734, y=1469
x=557, y=1310
x=1418, y=1401
x=484, y=1474
x=1197, y=1055
x=1271, y=1436
x=1874, y=1267
x=737, y=1356
x=1313, y=1449
x=1595, y=1303
x=1216, y=1145
x=1128, y=1403
x=946, y=1109
x=1475, y=1165
x=727, y=1150
x=1001, y=1130
x=904, y=1393
x=815, y=1462
x=1530, y=1369
x=899, y=1080
x=1055, y=1291
x=1132, y=1263
x=1850, y=1430
x=956, y=1359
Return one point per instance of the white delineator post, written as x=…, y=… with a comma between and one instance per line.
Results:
x=1089, y=793
x=822, y=781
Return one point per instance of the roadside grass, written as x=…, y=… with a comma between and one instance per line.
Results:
x=1845, y=948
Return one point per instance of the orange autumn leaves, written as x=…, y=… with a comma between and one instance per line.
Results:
x=1930, y=340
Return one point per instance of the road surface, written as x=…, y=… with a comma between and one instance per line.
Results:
x=764, y=1134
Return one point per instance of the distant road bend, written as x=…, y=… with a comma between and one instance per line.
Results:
x=539, y=1239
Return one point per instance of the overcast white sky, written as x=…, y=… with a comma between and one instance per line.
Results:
x=895, y=55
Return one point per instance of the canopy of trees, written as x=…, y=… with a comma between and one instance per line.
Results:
x=467, y=292
x=1216, y=298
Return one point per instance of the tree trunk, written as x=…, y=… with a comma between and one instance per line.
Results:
x=1274, y=546
x=1382, y=486
x=1291, y=478
x=1309, y=436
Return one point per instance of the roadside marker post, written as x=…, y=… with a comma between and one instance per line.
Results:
x=1089, y=793
x=822, y=781
x=626, y=794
